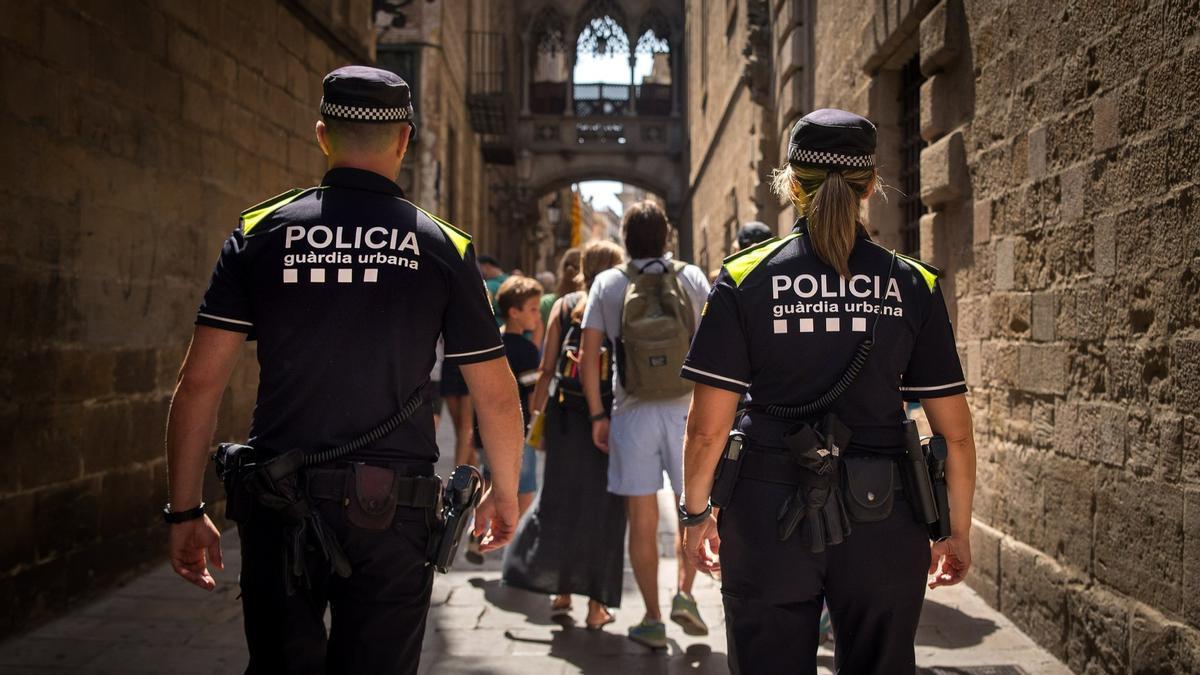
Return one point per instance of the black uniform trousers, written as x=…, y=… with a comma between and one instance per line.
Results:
x=377, y=613
x=874, y=583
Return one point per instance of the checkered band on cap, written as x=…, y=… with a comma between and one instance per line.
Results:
x=798, y=154
x=349, y=112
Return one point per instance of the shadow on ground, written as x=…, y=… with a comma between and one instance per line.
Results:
x=955, y=628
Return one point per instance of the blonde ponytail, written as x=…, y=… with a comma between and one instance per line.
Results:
x=830, y=199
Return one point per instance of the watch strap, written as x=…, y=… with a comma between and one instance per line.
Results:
x=598, y=416
x=175, y=517
x=688, y=519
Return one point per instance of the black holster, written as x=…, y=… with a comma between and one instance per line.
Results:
x=935, y=459
x=276, y=484
x=728, y=469
x=915, y=472
x=458, y=503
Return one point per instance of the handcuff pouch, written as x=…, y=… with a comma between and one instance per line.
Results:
x=371, y=496
x=868, y=486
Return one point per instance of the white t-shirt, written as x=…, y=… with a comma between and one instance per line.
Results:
x=607, y=295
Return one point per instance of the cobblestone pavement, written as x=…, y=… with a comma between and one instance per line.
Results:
x=159, y=624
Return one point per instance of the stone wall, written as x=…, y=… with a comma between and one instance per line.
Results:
x=135, y=132
x=1059, y=175
x=1061, y=181
x=731, y=133
x=445, y=170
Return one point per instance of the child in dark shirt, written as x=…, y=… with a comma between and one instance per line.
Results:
x=517, y=299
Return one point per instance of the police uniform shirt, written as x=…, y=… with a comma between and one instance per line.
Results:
x=346, y=287
x=782, y=325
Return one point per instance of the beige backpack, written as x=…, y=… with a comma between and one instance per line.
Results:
x=657, y=322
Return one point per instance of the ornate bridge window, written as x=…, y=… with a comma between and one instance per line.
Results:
x=653, y=62
x=548, y=85
x=604, y=62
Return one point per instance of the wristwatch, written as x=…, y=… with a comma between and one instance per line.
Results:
x=175, y=517
x=598, y=416
x=688, y=519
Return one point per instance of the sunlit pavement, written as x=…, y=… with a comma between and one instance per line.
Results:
x=159, y=624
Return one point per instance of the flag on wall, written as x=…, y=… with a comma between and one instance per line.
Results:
x=576, y=220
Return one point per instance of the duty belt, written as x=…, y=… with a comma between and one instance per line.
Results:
x=776, y=467
x=419, y=491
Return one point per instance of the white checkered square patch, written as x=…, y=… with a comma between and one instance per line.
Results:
x=798, y=154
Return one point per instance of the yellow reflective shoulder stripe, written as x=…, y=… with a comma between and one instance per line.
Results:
x=742, y=263
x=456, y=236
x=253, y=215
x=928, y=272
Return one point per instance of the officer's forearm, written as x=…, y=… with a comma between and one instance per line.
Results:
x=960, y=481
x=709, y=421
x=589, y=369
x=950, y=417
x=193, y=417
x=190, y=426
x=501, y=427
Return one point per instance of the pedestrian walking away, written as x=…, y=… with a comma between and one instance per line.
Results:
x=346, y=287
x=647, y=308
x=571, y=542
x=518, y=299
x=824, y=489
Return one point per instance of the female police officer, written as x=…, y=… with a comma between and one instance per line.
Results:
x=829, y=333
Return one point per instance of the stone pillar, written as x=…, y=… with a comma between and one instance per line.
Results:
x=571, y=56
x=632, y=108
x=528, y=52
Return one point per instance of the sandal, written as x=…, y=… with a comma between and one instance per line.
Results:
x=560, y=610
x=609, y=618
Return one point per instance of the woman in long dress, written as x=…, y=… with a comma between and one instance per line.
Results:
x=572, y=540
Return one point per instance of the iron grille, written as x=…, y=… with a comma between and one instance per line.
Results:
x=911, y=145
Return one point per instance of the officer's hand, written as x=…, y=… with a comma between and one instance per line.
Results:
x=190, y=546
x=954, y=555
x=495, y=521
x=702, y=545
x=600, y=434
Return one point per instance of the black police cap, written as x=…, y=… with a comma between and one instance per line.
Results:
x=365, y=94
x=752, y=233
x=832, y=138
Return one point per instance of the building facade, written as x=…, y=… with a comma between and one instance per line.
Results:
x=1043, y=155
x=135, y=134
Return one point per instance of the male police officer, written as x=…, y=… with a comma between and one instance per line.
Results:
x=346, y=287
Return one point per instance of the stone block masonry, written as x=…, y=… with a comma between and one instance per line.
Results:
x=1076, y=296
x=135, y=133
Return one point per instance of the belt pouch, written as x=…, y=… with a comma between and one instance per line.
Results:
x=868, y=489
x=371, y=496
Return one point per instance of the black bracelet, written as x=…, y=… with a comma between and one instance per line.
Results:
x=598, y=416
x=175, y=517
x=687, y=519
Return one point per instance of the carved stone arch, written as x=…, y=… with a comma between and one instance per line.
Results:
x=656, y=21
x=599, y=22
x=548, y=29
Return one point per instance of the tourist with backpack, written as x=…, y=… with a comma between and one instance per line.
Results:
x=648, y=308
x=551, y=553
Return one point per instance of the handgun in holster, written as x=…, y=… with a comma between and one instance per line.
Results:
x=915, y=473
x=728, y=468
x=459, y=499
x=935, y=459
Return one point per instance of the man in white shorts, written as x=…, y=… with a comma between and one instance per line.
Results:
x=646, y=436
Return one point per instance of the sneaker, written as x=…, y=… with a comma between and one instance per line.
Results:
x=685, y=613
x=652, y=634
x=826, y=626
